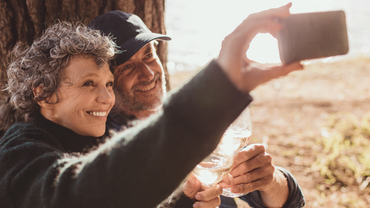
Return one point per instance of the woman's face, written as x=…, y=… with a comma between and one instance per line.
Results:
x=85, y=97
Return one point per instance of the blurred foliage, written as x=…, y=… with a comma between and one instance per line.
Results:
x=345, y=156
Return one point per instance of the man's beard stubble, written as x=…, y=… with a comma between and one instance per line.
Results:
x=128, y=101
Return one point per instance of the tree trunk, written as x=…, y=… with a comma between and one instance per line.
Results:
x=24, y=20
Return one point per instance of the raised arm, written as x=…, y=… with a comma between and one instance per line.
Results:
x=141, y=166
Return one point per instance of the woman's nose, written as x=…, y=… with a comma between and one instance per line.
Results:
x=105, y=95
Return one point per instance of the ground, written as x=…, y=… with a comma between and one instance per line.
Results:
x=289, y=113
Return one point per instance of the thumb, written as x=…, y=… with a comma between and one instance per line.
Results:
x=191, y=187
x=282, y=70
x=227, y=181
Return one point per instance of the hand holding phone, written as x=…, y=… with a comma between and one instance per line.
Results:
x=312, y=35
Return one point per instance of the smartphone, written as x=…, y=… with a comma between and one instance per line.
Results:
x=312, y=35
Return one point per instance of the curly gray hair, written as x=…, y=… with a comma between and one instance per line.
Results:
x=40, y=63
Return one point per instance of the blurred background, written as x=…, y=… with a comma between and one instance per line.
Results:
x=198, y=27
x=315, y=123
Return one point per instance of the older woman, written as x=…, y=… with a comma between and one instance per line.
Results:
x=64, y=77
x=64, y=87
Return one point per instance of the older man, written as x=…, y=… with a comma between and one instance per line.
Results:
x=140, y=92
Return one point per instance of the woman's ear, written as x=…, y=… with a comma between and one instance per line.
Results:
x=46, y=103
x=36, y=92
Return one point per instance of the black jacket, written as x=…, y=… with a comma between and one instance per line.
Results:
x=42, y=164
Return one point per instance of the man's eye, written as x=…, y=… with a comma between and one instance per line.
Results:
x=127, y=67
x=149, y=56
x=88, y=83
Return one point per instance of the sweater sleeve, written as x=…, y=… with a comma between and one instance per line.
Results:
x=138, y=168
x=295, y=197
x=177, y=200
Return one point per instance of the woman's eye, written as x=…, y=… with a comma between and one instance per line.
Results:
x=110, y=84
x=88, y=83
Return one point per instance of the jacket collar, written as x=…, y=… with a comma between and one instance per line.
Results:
x=68, y=139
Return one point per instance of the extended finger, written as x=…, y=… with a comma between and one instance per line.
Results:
x=252, y=186
x=262, y=22
x=248, y=153
x=268, y=26
x=262, y=160
x=250, y=28
x=209, y=194
x=277, y=71
x=254, y=175
x=273, y=14
x=280, y=12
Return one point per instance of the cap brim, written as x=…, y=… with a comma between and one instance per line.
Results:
x=134, y=44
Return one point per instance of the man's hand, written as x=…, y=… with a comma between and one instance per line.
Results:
x=243, y=73
x=205, y=198
x=253, y=170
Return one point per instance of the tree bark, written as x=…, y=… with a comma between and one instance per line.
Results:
x=24, y=20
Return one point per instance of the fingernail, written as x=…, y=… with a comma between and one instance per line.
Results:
x=198, y=197
x=231, y=178
x=195, y=205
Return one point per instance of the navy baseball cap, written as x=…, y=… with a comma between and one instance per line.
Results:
x=129, y=32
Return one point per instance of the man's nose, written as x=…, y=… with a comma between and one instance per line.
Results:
x=146, y=73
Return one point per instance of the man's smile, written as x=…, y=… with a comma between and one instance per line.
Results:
x=145, y=88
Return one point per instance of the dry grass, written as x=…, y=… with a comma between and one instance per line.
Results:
x=299, y=116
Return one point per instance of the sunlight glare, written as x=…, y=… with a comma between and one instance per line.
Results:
x=207, y=176
x=264, y=49
x=197, y=35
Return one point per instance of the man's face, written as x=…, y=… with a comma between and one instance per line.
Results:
x=139, y=82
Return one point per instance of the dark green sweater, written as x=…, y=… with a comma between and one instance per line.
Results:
x=42, y=165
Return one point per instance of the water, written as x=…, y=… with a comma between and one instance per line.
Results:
x=233, y=140
x=197, y=28
x=238, y=139
x=218, y=164
x=227, y=192
x=209, y=176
